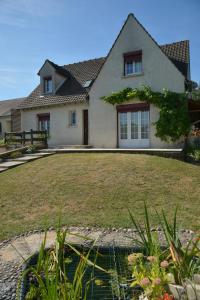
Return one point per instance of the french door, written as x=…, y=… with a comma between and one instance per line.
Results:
x=133, y=129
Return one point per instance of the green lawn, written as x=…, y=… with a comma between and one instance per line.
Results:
x=96, y=189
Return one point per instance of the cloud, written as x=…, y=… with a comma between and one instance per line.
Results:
x=19, y=12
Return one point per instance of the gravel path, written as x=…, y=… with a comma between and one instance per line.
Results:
x=11, y=251
x=9, y=274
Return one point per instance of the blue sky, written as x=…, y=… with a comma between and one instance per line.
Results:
x=66, y=31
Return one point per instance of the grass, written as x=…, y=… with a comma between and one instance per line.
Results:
x=96, y=189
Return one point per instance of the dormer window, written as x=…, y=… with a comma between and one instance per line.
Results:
x=133, y=63
x=48, y=86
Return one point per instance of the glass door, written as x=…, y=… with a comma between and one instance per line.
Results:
x=134, y=129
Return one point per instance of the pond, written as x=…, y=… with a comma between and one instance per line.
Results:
x=104, y=286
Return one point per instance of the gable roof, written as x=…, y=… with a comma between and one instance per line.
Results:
x=77, y=74
x=72, y=90
x=7, y=105
x=58, y=68
x=131, y=15
x=85, y=70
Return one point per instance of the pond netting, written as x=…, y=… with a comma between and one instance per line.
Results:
x=112, y=284
x=105, y=285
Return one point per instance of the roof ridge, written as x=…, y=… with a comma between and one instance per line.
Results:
x=13, y=99
x=84, y=61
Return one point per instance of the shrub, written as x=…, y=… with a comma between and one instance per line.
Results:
x=31, y=149
x=15, y=154
x=196, y=154
x=2, y=142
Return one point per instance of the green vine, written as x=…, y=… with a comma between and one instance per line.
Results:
x=173, y=122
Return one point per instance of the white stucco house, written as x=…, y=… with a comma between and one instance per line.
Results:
x=67, y=102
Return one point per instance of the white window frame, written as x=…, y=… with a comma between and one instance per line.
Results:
x=72, y=113
x=137, y=136
x=134, y=65
x=48, y=85
x=44, y=124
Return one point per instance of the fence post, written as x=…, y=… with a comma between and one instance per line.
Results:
x=24, y=137
x=185, y=148
x=5, y=137
x=45, y=140
x=31, y=136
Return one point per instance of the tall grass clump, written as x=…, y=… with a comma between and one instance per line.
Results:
x=49, y=278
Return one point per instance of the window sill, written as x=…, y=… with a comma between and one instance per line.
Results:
x=72, y=126
x=132, y=75
x=47, y=93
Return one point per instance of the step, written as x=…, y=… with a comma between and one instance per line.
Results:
x=27, y=158
x=39, y=154
x=73, y=146
x=11, y=164
x=3, y=169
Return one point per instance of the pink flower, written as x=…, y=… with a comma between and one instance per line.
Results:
x=145, y=281
x=164, y=264
x=134, y=257
x=151, y=258
x=157, y=281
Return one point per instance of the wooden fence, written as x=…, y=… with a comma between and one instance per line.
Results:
x=27, y=137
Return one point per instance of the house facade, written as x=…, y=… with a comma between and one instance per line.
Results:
x=67, y=101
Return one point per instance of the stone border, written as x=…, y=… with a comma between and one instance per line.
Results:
x=90, y=229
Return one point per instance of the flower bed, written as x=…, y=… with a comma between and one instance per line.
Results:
x=173, y=273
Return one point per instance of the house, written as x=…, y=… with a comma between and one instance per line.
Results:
x=8, y=109
x=67, y=102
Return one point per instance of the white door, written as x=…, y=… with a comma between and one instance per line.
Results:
x=133, y=129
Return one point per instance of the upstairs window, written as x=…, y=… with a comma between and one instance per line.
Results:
x=48, y=87
x=133, y=63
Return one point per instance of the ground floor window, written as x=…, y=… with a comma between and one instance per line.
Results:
x=72, y=119
x=44, y=122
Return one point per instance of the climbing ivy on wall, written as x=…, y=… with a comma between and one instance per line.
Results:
x=173, y=122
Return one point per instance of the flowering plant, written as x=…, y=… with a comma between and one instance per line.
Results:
x=150, y=274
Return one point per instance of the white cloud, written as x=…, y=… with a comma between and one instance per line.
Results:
x=18, y=12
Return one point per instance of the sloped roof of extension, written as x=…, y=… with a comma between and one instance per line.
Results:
x=7, y=105
x=179, y=54
x=72, y=90
x=80, y=76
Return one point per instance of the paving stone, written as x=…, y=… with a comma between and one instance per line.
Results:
x=10, y=164
x=27, y=158
x=117, y=239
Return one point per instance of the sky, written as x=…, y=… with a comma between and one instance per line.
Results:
x=67, y=31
